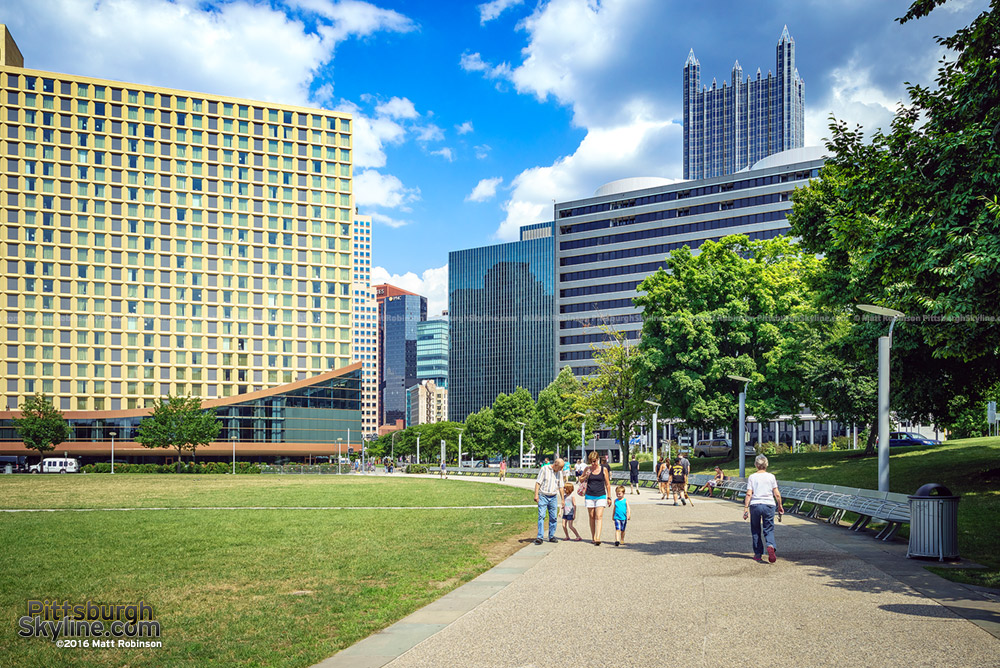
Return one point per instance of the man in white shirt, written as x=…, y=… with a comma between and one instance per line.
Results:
x=549, y=496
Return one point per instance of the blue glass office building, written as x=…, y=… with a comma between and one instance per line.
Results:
x=501, y=306
x=432, y=352
x=399, y=312
x=730, y=128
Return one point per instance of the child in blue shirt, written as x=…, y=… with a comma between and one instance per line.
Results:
x=623, y=513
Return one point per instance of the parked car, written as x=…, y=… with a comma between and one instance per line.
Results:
x=909, y=438
x=56, y=465
x=715, y=447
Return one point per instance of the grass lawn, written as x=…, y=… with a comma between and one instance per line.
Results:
x=969, y=468
x=249, y=588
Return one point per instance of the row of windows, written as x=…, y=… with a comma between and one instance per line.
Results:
x=168, y=100
x=600, y=288
x=595, y=338
x=672, y=230
x=602, y=321
x=29, y=369
x=148, y=228
x=175, y=345
x=682, y=193
x=666, y=248
x=596, y=306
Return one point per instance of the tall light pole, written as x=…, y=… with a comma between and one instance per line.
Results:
x=520, y=461
x=655, y=436
x=392, y=450
x=418, y=448
x=339, y=449
x=112, y=434
x=460, y=451
x=232, y=437
x=884, y=348
x=743, y=426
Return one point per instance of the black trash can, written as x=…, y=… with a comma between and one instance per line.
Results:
x=933, y=523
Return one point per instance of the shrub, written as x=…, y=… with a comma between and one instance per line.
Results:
x=184, y=467
x=842, y=443
x=416, y=468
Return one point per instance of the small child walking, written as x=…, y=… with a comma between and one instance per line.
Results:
x=569, y=512
x=623, y=513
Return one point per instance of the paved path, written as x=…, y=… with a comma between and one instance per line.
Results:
x=685, y=590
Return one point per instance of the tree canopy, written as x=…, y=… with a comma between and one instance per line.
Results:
x=509, y=410
x=556, y=425
x=616, y=393
x=908, y=220
x=41, y=425
x=737, y=307
x=180, y=423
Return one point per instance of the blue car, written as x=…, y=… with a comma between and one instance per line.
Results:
x=909, y=438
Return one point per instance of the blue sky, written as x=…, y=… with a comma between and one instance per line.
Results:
x=473, y=116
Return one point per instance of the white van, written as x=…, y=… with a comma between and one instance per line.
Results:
x=56, y=465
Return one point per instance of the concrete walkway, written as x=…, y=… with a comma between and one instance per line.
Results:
x=685, y=590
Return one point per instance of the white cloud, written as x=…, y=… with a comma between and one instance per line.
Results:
x=388, y=221
x=644, y=147
x=371, y=136
x=465, y=128
x=445, y=153
x=432, y=283
x=372, y=188
x=482, y=151
x=491, y=10
x=484, y=190
x=473, y=62
x=429, y=132
x=397, y=107
x=230, y=50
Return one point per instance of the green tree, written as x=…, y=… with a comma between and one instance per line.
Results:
x=180, y=423
x=41, y=425
x=740, y=308
x=556, y=425
x=909, y=220
x=479, y=434
x=615, y=395
x=509, y=410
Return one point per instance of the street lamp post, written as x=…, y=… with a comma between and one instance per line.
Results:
x=520, y=461
x=743, y=426
x=233, y=439
x=460, y=450
x=339, y=448
x=655, y=435
x=392, y=450
x=112, y=434
x=884, y=348
x=418, y=448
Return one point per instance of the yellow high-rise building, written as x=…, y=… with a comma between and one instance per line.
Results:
x=159, y=241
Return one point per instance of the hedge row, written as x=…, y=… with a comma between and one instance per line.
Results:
x=185, y=467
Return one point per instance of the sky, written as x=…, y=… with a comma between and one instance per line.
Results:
x=472, y=118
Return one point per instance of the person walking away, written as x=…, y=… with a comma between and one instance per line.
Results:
x=503, y=469
x=596, y=485
x=633, y=473
x=569, y=512
x=623, y=513
x=761, y=501
x=662, y=477
x=677, y=480
x=549, y=496
x=685, y=499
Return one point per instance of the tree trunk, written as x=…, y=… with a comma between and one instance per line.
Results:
x=870, y=443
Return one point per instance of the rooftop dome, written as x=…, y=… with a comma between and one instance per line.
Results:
x=633, y=183
x=791, y=156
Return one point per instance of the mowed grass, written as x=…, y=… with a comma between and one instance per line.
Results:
x=969, y=468
x=103, y=490
x=244, y=587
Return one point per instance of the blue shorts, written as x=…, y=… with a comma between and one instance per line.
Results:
x=620, y=525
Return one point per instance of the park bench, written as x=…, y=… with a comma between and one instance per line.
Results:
x=811, y=499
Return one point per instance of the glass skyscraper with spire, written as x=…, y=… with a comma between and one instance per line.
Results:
x=730, y=128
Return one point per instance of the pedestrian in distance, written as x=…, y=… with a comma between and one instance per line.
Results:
x=663, y=477
x=760, y=503
x=444, y=471
x=503, y=469
x=596, y=486
x=569, y=512
x=633, y=473
x=549, y=496
x=623, y=513
x=715, y=482
x=677, y=481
